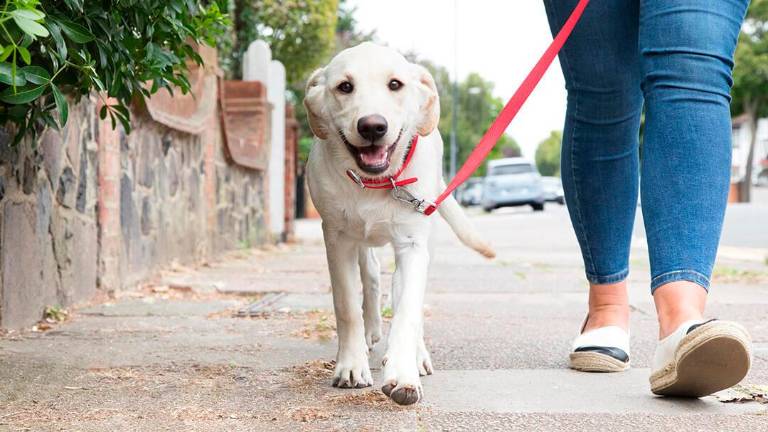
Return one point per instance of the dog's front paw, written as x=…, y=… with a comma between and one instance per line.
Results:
x=352, y=371
x=401, y=381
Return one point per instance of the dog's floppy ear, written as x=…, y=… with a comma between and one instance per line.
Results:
x=312, y=102
x=430, y=101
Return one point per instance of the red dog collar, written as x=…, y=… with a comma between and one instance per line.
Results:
x=388, y=182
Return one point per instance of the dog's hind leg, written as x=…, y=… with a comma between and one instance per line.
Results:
x=370, y=272
x=352, y=368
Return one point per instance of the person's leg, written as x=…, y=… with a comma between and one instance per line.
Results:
x=686, y=51
x=600, y=146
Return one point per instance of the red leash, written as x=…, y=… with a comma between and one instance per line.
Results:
x=510, y=110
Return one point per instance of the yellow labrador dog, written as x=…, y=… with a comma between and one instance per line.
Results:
x=368, y=108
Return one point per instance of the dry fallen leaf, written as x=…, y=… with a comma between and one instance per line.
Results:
x=160, y=289
x=744, y=393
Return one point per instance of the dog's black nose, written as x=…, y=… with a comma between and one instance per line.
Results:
x=372, y=127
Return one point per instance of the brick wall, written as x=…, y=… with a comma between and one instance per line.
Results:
x=90, y=209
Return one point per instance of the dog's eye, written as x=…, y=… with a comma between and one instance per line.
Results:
x=345, y=87
x=395, y=85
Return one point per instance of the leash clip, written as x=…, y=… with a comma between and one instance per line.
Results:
x=355, y=178
x=403, y=195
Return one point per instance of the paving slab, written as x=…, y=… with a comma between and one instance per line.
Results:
x=153, y=307
x=564, y=391
x=246, y=343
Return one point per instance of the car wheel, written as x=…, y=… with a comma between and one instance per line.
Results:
x=538, y=207
x=488, y=209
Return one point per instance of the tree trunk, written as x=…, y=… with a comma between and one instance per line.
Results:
x=746, y=184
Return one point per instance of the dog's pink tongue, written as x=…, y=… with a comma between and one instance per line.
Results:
x=376, y=155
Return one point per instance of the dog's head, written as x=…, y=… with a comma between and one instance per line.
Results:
x=368, y=103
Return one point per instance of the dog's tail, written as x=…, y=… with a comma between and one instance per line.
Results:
x=463, y=228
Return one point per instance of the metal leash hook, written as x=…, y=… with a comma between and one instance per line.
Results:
x=403, y=195
x=355, y=178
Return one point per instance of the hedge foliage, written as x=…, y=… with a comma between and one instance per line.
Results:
x=122, y=49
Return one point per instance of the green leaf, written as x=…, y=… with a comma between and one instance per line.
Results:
x=26, y=40
x=6, y=53
x=24, y=54
x=122, y=110
x=61, y=46
x=6, y=75
x=22, y=95
x=30, y=27
x=36, y=74
x=75, y=5
x=30, y=14
x=98, y=83
x=103, y=112
x=75, y=31
x=126, y=122
x=61, y=104
x=48, y=120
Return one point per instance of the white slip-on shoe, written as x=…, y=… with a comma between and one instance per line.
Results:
x=604, y=349
x=700, y=358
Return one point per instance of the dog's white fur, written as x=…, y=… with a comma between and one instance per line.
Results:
x=355, y=220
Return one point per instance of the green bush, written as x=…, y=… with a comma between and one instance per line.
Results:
x=548, y=154
x=301, y=33
x=123, y=49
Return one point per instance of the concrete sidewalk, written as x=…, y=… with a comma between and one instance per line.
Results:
x=247, y=343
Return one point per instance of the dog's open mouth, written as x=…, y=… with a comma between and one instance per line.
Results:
x=373, y=159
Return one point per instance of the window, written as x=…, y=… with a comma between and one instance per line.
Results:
x=511, y=169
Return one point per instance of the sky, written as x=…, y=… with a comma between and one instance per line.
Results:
x=499, y=39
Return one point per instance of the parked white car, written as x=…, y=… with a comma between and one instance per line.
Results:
x=553, y=190
x=471, y=192
x=512, y=182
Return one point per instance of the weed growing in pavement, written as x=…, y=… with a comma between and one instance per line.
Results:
x=55, y=313
x=735, y=275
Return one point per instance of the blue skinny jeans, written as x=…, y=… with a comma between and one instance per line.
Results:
x=673, y=57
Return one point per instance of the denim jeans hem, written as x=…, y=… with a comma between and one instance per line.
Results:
x=680, y=275
x=607, y=279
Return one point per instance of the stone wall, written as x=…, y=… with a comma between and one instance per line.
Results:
x=48, y=228
x=90, y=209
x=166, y=211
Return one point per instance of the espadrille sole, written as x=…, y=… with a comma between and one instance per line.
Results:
x=713, y=357
x=596, y=362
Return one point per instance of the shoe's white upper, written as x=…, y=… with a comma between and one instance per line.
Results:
x=610, y=336
x=665, y=349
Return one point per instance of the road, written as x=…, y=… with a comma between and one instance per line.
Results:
x=745, y=226
x=245, y=343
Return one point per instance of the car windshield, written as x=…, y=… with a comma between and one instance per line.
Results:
x=511, y=169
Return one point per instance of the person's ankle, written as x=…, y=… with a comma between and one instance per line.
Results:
x=608, y=315
x=676, y=303
x=608, y=306
x=670, y=320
